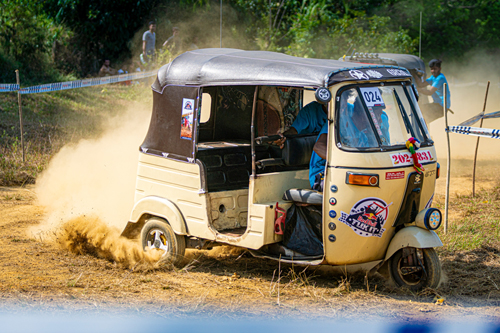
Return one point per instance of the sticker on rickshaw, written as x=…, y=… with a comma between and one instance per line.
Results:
x=375, y=74
x=394, y=175
x=372, y=96
x=187, y=118
x=367, y=217
x=404, y=158
x=358, y=74
x=398, y=72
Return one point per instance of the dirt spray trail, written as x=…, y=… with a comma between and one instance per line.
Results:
x=89, y=235
x=88, y=190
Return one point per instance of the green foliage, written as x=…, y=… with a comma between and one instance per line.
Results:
x=24, y=30
x=74, y=36
x=318, y=28
x=102, y=28
x=369, y=34
x=26, y=36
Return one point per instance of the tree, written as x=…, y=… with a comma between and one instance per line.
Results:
x=26, y=36
x=102, y=28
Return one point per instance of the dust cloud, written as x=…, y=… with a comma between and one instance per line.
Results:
x=467, y=80
x=91, y=184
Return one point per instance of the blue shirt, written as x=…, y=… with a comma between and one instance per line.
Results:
x=310, y=119
x=438, y=82
x=317, y=164
x=351, y=136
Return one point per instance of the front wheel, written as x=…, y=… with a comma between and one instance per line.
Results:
x=158, y=235
x=415, y=268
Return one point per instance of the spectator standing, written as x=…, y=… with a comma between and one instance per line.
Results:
x=173, y=43
x=106, y=69
x=434, y=86
x=148, y=43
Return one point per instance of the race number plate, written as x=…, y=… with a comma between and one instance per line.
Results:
x=372, y=96
x=403, y=159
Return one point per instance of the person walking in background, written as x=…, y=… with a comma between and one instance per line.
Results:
x=434, y=87
x=148, y=44
x=173, y=43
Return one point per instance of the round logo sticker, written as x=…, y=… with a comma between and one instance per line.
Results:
x=358, y=74
x=332, y=214
x=333, y=201
x=367, y=217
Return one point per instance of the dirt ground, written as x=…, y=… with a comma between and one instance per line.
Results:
x=38, y=275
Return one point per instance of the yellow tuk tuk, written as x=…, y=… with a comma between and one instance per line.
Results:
x=210, y=172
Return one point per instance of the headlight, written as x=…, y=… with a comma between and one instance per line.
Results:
x=429, y=218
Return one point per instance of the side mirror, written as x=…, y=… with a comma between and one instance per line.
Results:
x=323, y=95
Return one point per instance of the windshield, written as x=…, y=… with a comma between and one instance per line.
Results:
x=378, y=116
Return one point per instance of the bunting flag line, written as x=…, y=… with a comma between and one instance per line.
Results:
x=9, y=87
x=475, y=131
x=77, y=84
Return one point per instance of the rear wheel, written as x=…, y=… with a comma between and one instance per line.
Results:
x=415, y=268
x=158, y=235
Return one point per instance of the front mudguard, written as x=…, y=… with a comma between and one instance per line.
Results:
x=412, y=237
x=407, y=237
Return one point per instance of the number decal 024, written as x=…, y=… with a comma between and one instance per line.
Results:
x=372, y=96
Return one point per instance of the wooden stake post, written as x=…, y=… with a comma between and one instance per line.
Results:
x=20, y=113
x=448, y=162
x=477, y=143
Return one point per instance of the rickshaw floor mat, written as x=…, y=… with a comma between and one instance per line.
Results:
x=303, y=230
x=236, y=232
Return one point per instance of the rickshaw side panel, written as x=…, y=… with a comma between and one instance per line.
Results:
x=160, y=207
x=349, y=200
x=269, y=187
x=178, y=182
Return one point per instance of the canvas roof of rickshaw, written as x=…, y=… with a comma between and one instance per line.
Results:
x=219, y=66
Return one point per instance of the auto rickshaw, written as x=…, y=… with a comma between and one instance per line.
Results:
x=210, y=173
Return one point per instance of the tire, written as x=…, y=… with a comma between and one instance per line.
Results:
x=158, y=235
x=418, y=280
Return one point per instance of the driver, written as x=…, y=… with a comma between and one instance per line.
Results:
x=310, y=119
x=355, y=129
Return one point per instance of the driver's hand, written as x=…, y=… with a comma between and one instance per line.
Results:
x=280, y=142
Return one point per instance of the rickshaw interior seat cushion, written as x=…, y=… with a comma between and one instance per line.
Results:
x=306, y=196
x=298, y=150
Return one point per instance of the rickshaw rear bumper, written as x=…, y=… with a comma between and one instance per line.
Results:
x=412, y=237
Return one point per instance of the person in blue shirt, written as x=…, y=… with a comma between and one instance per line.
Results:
x=434, y=87
x=312, y=118
x=309, y=120
x=355, y=128
x=318, y=160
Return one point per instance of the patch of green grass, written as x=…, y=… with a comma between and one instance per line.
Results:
x=478, y=224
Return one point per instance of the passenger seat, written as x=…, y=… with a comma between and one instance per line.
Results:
x=303, y=196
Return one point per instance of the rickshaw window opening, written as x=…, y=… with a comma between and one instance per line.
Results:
x=409, y=129
x=414, y=113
